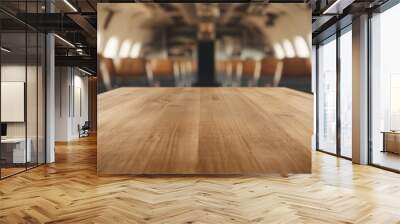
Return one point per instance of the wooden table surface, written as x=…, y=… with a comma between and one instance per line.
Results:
x=204, y=131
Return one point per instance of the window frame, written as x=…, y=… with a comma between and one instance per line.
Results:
x=333, y=37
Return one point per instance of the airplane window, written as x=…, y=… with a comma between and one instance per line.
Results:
x=136, y=50
x=302, y=49
x=279, y=53
x=111, y=48
x=288, y=47
x=125, y=48
x=99, y=42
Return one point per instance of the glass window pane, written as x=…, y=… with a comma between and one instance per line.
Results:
x=327, y=96
x=31, y=100
x=14, y=153
x=346, y=94
x=32, y=88
x=385, y=87
x=41, y=98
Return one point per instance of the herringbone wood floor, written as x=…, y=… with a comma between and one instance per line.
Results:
x=70, y=192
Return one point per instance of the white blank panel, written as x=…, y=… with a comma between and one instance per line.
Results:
x=12, y=101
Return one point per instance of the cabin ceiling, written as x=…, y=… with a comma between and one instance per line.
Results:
x=256, y=25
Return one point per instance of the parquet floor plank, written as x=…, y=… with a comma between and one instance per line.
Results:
x=70, y=191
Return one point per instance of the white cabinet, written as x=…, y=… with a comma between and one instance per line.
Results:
x=19, y=155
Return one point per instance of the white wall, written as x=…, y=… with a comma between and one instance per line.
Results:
x=17, y=73
x=62, y=81
x=70, y=83
x=13, y=73
x=80, y=105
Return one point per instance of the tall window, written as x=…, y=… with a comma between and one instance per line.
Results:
x=385, y=89
x=346, y=93
x=327, y=96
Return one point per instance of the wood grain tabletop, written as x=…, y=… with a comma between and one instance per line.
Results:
x=204, y=131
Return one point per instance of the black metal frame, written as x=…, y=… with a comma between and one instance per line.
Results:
x=369, y=90
x=338, y=98
x=0, y=89
x=29, y=29
x=316, y=97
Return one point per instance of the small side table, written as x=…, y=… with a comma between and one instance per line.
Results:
x=391, y=141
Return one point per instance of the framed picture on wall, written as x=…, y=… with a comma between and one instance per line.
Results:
x=12, y=101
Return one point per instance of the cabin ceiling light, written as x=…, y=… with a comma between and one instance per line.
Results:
x=337, y=7
x=5, y=50
x=84, y=71
x=64, y=40
x=70, y=5
x=79, y=51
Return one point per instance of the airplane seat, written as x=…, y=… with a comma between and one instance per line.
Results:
x=188, y=66
x=101, y=87
x=248, y=74
x=221, y=75
x=237, y=71
x=163, y=72
x=131, y=72
x=296, y=74
x=193, y=71
x=183, y=71
x=268, y=71
x=106, y=71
